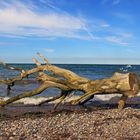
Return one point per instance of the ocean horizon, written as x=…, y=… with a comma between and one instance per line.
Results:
x=91, y=71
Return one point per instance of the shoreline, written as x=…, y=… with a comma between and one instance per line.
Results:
x=31, y=105
x=20, y=110
x=95, y=123
x=103, y=99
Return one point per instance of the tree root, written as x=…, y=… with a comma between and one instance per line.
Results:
x=125, y=84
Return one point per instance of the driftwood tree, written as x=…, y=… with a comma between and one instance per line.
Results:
x=125, y=84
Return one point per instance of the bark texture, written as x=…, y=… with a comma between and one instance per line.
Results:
x=125, y=84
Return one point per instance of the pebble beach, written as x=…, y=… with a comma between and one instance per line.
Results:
x=70, y=123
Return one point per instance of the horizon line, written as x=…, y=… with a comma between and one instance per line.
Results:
x=76, y=63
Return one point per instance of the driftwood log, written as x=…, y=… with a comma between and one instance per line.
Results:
x=125, y=84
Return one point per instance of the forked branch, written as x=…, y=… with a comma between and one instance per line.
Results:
x=68, y=81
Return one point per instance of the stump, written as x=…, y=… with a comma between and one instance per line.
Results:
x=125, y=84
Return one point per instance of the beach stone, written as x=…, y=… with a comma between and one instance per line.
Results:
x=94, y=124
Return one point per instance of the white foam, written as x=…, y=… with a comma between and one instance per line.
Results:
x=37, y=100
x=106, y=97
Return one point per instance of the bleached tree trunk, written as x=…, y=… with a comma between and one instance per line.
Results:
x=125, y=84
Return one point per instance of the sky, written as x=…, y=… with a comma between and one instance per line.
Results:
x=70, y=31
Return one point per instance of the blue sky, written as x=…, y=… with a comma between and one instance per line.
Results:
x=70, y=31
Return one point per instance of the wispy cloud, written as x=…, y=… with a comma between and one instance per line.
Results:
x=118, y=36
x=5, y=43
x=117, y=40
x=105, y=25
x=125, y=35
x=113, y=2
x=50, y=3
x=49, y=50
x=90, y=34
x=125, y=17
x=18, y=19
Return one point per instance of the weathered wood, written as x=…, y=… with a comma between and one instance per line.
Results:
x=126, y=84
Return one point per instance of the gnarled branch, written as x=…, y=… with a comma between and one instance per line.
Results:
x=68, y=81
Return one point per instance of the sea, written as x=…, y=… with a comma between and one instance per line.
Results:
x=91, y=71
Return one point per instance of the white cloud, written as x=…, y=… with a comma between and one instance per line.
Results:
x=6, y=43
x=49, y=50
x=125, y=34
x=113, y=2
x=50, y=4
x=116, y=40
x=18, y=19
x=118, y=36
x=105, y=25
x=89, y=33
x=125, y=17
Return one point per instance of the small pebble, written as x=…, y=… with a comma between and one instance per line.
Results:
x=72, y=125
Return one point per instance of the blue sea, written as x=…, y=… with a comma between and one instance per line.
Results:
x=90, y=71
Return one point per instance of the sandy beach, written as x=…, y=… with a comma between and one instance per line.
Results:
x=69, y=122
